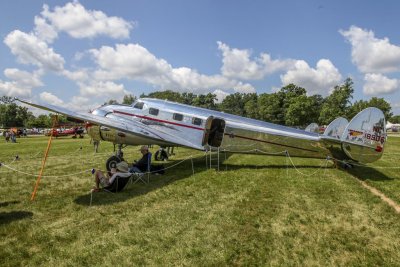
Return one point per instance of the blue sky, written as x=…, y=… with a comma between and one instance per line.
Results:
x=81, y=53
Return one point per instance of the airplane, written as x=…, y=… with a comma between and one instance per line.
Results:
x=165, y=123
x=75, y=132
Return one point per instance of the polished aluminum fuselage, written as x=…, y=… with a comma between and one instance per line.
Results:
x=242, y=135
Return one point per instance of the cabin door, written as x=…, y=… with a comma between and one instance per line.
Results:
x=214, y=132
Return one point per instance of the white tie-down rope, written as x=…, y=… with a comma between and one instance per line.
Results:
x=305, y=174
x=44, y=176
x=171, y=166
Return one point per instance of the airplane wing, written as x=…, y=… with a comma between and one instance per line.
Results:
x=128, y=126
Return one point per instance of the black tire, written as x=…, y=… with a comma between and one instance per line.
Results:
x=112, y=162
x=161, y=155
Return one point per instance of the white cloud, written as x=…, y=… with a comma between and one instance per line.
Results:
x=80, y=75
x=377, y=84
x=135, y=62
x=370, y=54
x=13, y=89
x=44, y=31
x=31, y=50
x=77, y=103
x=23, y=78
x=320, y=80
x=51, y=99
x=102, y=89
x=79, y=22
x=221, y=95
x=21, y=84
x=237, y=64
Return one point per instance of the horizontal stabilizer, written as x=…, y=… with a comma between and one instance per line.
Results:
x=312, y=128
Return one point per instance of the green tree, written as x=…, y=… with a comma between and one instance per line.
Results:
x=128, y=99
x=41, y=121
x=12, y=115
x=338, y=103
x=270, y=108
x=233, y=104
x=167, y=95
x=205, y=101
x=373, y=102
x=6, y=99
x=251, y=107
x=302, y=110
x=188, y=98
x=395, y=119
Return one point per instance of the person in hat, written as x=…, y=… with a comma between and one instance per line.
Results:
x=142, y=164
x=121, y=170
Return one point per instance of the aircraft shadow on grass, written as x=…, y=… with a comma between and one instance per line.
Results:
x=184, y=171
x=368, y=173
x=8, y=217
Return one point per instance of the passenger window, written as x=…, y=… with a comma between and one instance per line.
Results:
x=177, y=117
x=197, y=121
x=139, y=105
x=153, y=111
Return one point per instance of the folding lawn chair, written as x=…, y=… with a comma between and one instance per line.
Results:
x=118, y=184
x=140, y=176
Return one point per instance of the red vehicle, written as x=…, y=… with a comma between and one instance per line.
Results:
x=75, y=132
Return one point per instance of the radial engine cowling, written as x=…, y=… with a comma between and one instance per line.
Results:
x=104, y=133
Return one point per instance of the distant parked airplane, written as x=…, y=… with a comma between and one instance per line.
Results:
x=165, y=123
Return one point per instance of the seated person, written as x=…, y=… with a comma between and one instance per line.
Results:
x=142, y=164
x=121, y=170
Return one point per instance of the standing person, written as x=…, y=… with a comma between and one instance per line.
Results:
x=96, y=144
x=13, y=137
x=7, y=136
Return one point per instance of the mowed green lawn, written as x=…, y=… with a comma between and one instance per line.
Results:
x=257, y=210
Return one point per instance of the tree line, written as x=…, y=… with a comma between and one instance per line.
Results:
x=288, y=106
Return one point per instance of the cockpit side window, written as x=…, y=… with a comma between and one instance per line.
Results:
x=139, y=105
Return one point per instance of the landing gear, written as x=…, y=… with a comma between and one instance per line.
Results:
x=161, y=154
x=114, y=160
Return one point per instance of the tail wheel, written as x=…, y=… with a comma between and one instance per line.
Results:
x=112, y=162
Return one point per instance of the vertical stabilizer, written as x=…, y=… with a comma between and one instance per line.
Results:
x=364, y=137
x=336, y=128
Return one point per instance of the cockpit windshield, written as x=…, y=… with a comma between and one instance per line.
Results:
x=138, y=105
x=100, y=112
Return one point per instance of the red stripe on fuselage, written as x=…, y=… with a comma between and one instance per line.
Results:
x=158, y=120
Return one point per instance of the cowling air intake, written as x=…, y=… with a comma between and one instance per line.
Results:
x=364, y=137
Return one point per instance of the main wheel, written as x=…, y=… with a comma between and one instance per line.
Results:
x=112, y=162
x=161, y=155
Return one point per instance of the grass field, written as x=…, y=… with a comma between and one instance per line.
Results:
x=258, y=211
